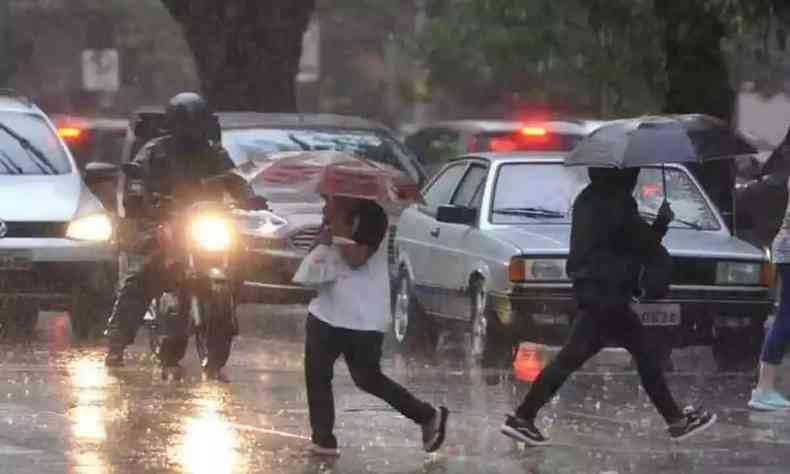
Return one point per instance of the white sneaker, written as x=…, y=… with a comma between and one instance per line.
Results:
x=768, y=401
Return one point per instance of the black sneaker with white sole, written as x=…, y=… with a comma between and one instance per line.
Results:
x=524, y=431
x=433, y=432
x=694, y=421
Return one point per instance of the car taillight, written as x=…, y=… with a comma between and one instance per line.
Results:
x=69, y=133
x=503, y=145
x=534, y=131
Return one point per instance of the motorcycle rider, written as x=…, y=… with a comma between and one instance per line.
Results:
x=174, y=167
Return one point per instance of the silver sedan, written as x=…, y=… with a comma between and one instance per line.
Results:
x=487, y=253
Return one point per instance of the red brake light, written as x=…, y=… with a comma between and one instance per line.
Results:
x=69, y=133
x=534, y=131
x=502, y=145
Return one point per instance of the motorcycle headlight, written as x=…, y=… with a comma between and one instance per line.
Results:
x=539, y=269
x=95, y=228
x=261, y=224
x=212, y=233
x=739, y=273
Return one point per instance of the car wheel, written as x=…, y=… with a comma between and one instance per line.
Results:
x=479, y=326
x=735, y=351
x=18, y=319
x=412, y=329
x=89, y=313
x=491, y=346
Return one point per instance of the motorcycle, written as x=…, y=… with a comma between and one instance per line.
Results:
x=200, y=246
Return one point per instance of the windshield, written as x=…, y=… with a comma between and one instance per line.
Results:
x=543, y=193
x=256, y=144
x=14, y=159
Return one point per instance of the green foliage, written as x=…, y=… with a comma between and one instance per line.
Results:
x=599, y=56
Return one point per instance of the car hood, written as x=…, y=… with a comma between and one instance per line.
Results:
x=45, y=198
x=555, y=240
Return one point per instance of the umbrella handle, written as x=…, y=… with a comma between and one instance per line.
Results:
x=664, y=182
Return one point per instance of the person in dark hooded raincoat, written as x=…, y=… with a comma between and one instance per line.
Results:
x=609, y=240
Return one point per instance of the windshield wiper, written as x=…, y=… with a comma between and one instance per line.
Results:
x=9, y=164
x=530, y=212
x=31, y=149
x=302, y=144
x=653, y=215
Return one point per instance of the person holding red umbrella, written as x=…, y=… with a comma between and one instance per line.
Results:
x=349, y=317
x=351, y=312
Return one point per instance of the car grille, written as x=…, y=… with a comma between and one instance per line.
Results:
x=35, y=229
x=305, y=238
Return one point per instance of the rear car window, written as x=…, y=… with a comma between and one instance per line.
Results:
x=15, y=159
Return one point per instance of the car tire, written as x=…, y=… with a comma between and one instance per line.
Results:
x=89, y=312
x=18, y=319
x=412, y=330
x=738, y=351
x=491, y=346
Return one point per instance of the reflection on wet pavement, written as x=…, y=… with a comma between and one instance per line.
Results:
x=61, y=411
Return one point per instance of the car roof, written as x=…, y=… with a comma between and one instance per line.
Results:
x=564, y=126
x=496, y=158
x=234, y=120
x=11, y=101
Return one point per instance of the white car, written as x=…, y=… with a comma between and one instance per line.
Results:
x=56, y=250
x=487, y=252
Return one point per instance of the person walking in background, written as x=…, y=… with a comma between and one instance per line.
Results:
x=765, y=396
x=349, y=317
x=609, y=239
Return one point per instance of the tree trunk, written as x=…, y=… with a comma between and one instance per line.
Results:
x=247, y=52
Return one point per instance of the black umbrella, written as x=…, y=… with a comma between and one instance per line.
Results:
x=656, y=140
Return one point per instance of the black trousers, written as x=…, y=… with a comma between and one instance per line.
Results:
x=362, y=351
x=144, y=281
x=593, y=326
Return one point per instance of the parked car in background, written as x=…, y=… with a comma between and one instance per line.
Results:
x=56, y=251
x=95, y=140
x=487, y=253
x=440, y=142
x=278, y=240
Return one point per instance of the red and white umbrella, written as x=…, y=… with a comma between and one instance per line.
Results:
x=339, y=174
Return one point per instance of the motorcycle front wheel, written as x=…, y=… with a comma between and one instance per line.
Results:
x=215, y=327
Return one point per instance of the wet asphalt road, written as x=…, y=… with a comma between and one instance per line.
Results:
x=62, y=412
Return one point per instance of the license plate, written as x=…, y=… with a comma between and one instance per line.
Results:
x=16, y=260
x=658, y=314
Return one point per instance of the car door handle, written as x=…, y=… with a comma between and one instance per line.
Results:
x=435, y=232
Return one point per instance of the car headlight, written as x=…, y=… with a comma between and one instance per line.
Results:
x=261, y=224
x=739, y=273
x=212, y=233
x=539, y=269
x=95, y=228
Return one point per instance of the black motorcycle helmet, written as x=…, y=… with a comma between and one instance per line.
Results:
x=190, y=120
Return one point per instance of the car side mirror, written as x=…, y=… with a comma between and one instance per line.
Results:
x=98, y=171
x=456, y=215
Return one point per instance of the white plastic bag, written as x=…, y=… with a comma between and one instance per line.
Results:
x=320, y=267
